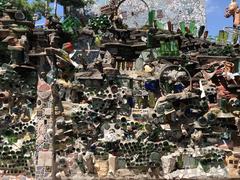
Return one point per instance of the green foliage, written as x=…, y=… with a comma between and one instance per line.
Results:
x=3, y=1
x=20, y=4
x=37, y=6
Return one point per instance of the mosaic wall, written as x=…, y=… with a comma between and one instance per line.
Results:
x=135, y=14
x=153, y=104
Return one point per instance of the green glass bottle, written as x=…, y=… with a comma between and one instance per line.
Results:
x=225, y=37
x=177, y=48
x=159, y=25
x=193, y=28
x=151, y=17
x=217, y=39
x=168, y=48
x=221, y=37
x=173, y=49
x=66, y=24
x=234, y=37
x=161, y=50
x=183, y=27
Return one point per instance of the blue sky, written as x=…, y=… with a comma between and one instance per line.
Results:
x=214, y=11
x=215, y=15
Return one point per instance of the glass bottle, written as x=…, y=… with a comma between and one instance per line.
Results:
x=234, y=37
x=221, y=37
x=193, y=28
x=151, y=17
x=170, y=26
x=205, y=36
x=201, y=31
x=183, y=27
x=159, y=25
x=225, y=37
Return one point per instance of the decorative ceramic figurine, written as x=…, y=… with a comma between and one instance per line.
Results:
x=234, y=11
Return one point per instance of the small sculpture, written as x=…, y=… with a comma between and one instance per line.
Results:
x=234, y=11
x=86, y=161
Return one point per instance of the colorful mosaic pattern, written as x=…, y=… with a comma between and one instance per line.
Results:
x=135, y=12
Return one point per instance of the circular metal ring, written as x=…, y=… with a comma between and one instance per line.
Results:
x=174, y=66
